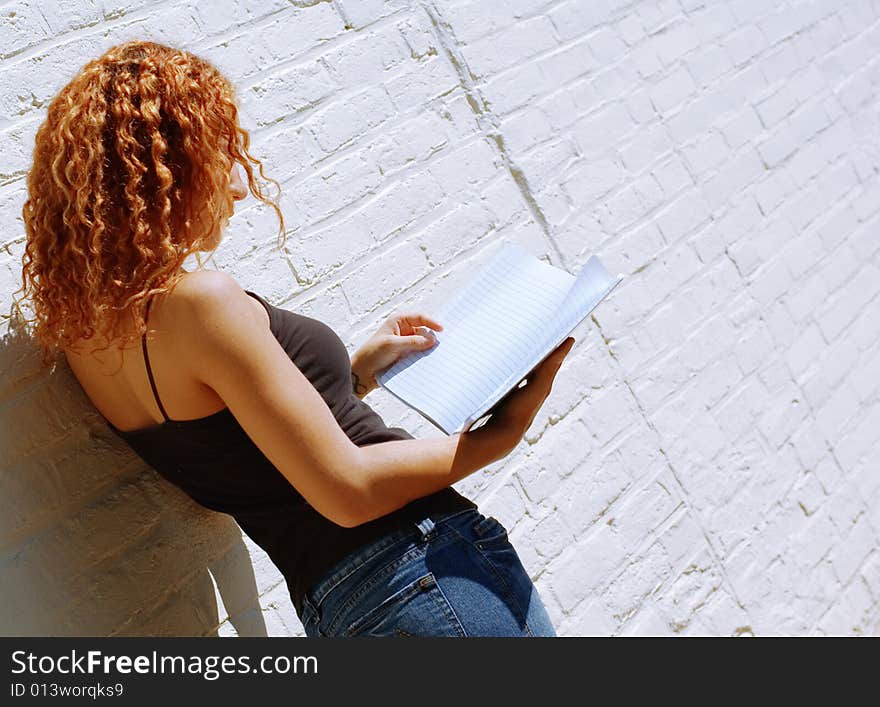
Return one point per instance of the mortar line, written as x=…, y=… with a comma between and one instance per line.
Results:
x=487, y=120
x=685, y=497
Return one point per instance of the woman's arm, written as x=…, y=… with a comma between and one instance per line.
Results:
x=394, y=473
x=362, y=381
x=400, y=334
x=227, y=347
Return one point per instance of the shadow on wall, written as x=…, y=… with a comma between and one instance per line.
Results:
x=93, y=542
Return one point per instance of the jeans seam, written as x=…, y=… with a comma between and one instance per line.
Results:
x=374, y=577
x=405, y=593
x=505, y=585
x=311, y=617
x=448, y=606
x=410, y=535
x=387, y=548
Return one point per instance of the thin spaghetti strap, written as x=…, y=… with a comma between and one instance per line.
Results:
x=147, y=363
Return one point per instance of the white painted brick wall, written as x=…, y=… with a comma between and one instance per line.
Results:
x=707, y=461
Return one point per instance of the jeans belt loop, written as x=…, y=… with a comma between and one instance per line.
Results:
x=426, y=528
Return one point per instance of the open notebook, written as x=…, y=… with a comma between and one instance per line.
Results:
x=501, y=324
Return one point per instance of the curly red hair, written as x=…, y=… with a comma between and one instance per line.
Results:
x=130, y=176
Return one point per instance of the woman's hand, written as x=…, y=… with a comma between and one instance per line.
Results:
x=398, y=336
x=512, y=416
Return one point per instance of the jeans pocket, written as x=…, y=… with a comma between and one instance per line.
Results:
x=419, y=608
x=490, y=534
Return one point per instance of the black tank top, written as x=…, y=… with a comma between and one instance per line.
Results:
x=214, y=461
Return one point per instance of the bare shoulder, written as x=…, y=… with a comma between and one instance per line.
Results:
x=223, y=343
x=212, y=295
x=206, y=287
x=211, y=311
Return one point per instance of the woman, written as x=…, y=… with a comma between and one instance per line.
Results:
x=251, y=409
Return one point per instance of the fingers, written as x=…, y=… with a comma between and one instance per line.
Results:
x=413, y=342
x=554, y=361
x=521, y=403
x=551, y=362
x=415, y=319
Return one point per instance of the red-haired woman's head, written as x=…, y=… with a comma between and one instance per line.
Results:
x=134, y=169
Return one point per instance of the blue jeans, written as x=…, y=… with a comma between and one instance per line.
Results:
x=452, y=574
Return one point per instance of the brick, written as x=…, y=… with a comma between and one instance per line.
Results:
x=742, y=170
x=294, y=90
x=646, y=148
x=379, y=279
x=560, y=109
x=713, y=22
x=601, y=551
x=672, y=176
x=341, y=123
x=316, y=24
x=419, y=36
x=743, y=127
x=22, y=25
x=368, y=58
x=735, y=416
x=646, y=622
x=806, y=122
x=341, y=183
x=770, y=282
x=706, y=154
x=646, y=61
x=470, y=221
x=421, y=84
x=640, y=578
x=849, y=555
x=235, y=14
x=802, y=299
x=691, y=588
x=772, y=192
x=602, y=130
x=468, y=168
x=836, y=229
x=505, y=93
x=411, y=142
x=593, y=180
x=564, y=66
x=574, y=19
x=675, y=41
x=399, y=205
x=842, y=308
x=681, y=216
x=687, y=125
x=589, y=493
x=707, y=64
x=637, y=247
x=805, y=350
x=526, y=129
x=361, y=13
x=672, y=91
x=745, y=44
x=631, y=203
x=293, y=151
x=511, y=45
x=856, y=444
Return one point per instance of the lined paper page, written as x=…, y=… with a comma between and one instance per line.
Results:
x=592, y=285
x=490, y=330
